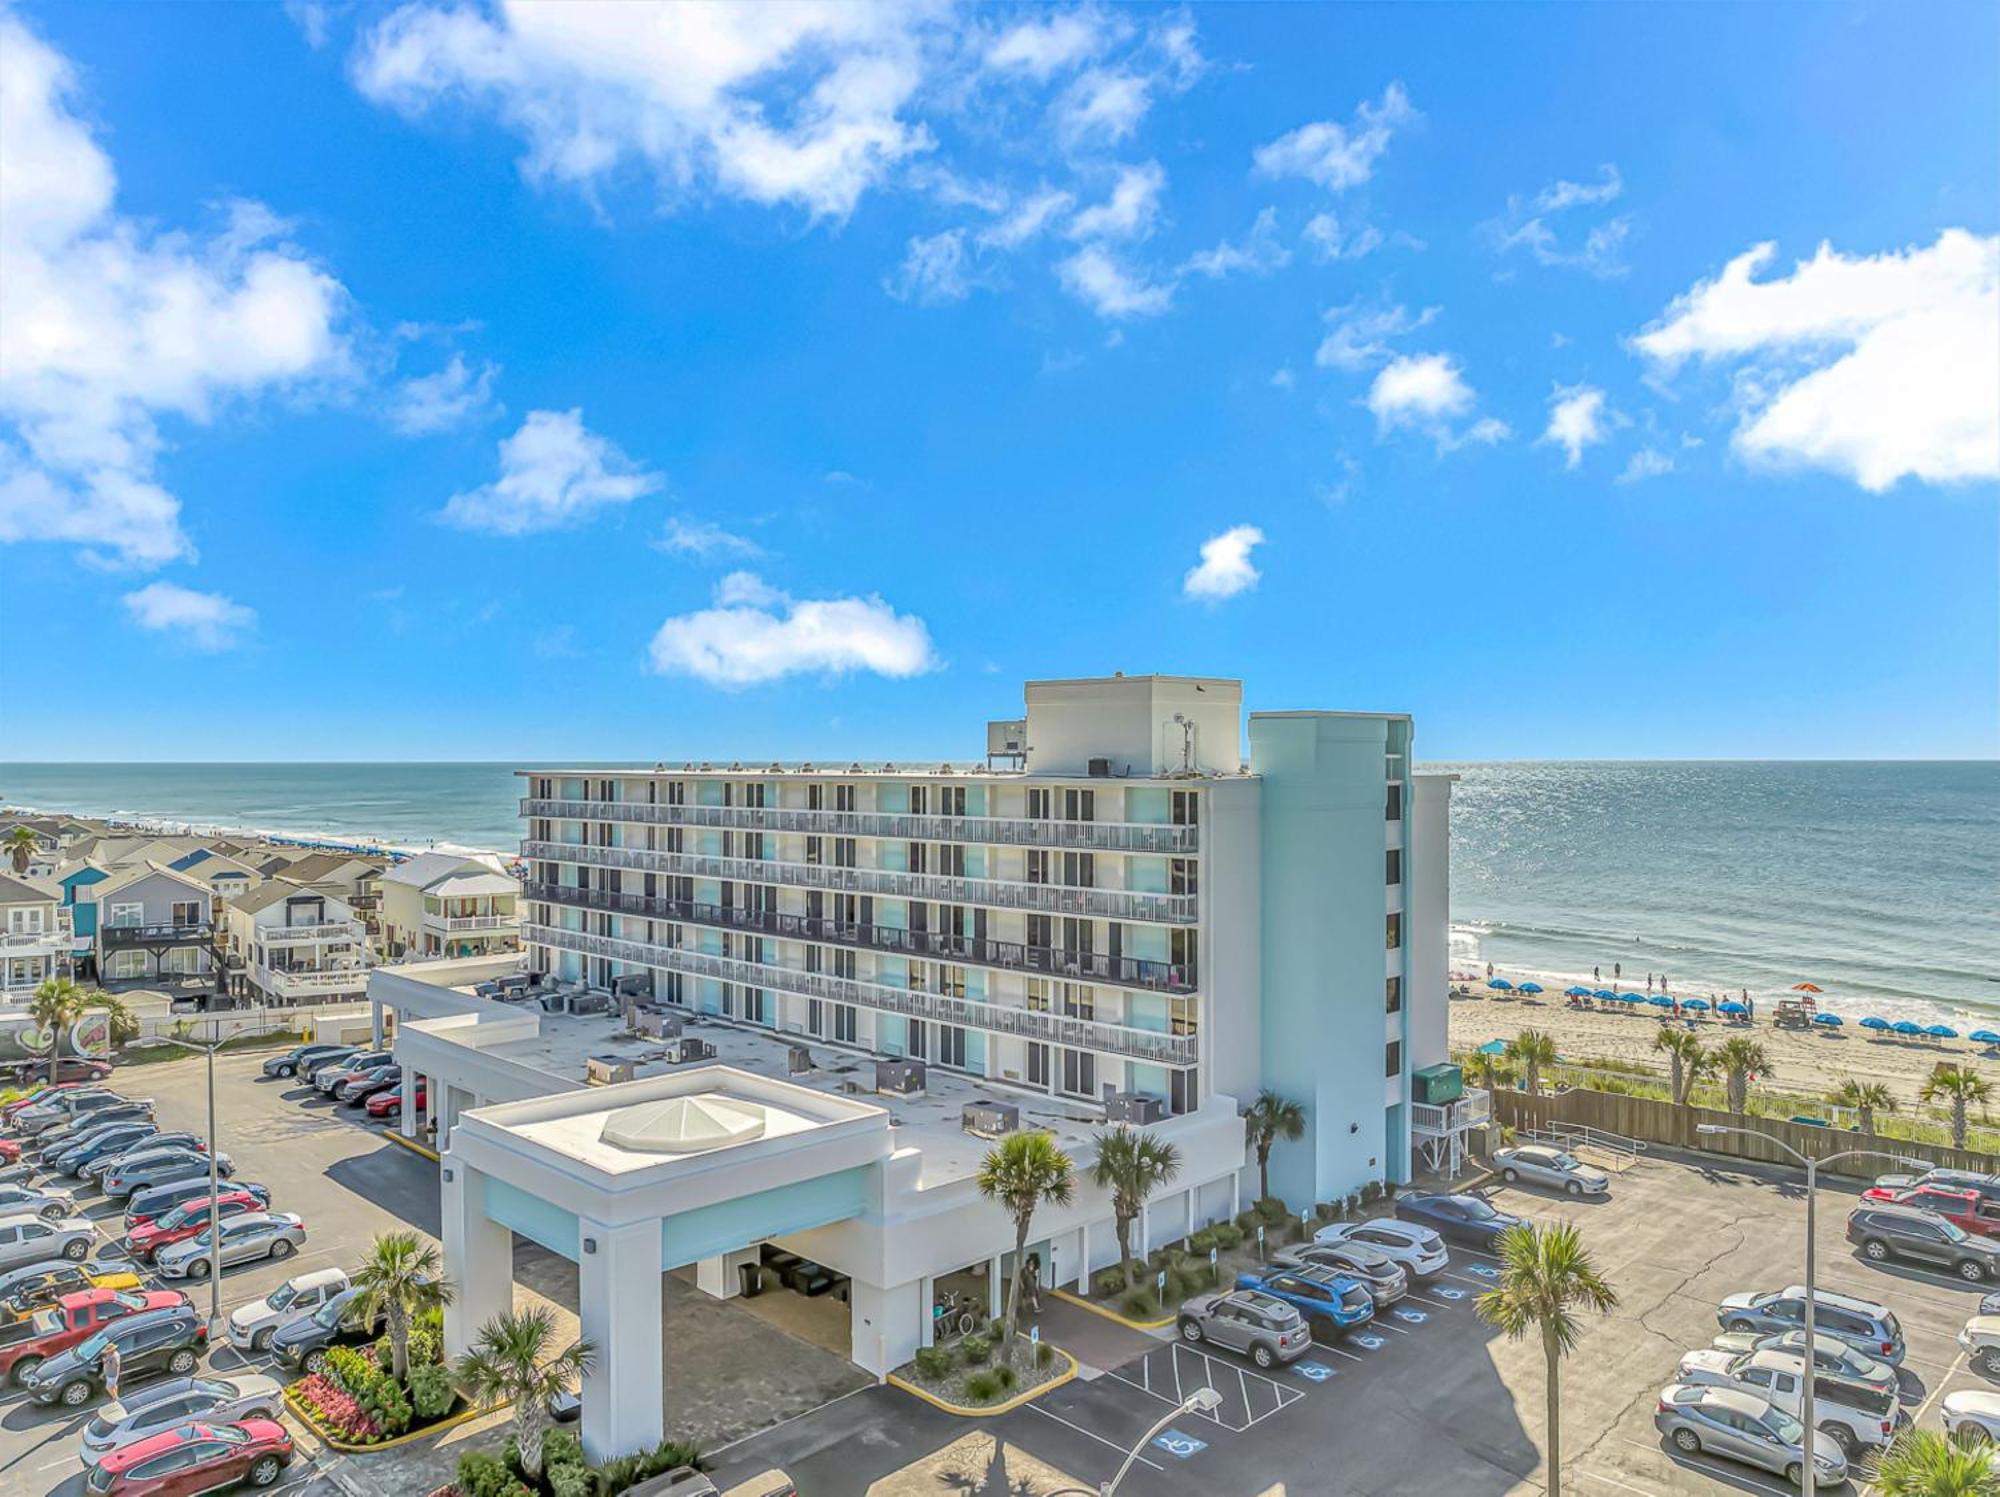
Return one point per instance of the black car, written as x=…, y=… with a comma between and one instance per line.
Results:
x=352, y=1059
x=112, y=1140
x=150, y=1342
x=338, y=1322
x=1463, y=1219
x=306, y=1057
x=156, y=1201
x=1886, y=1232
x=359, y=1087
x=52, y=1141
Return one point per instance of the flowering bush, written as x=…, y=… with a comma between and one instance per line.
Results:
x=380, y=1396
x=337, y=1409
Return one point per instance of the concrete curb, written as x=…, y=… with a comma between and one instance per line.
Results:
x=1136, y=1325
x=987, y=1411
x=412, y=1145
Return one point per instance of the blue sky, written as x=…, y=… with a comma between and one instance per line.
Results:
x=465, y=382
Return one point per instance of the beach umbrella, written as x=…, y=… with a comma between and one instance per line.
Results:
x=1731, y=1007
x=1658, y=1000
x=1807, y=987
x=1907, y=1027
x=1577, y=993
x=1984, y=1037
x=1699, y=1005
x=1603, y=993
x=1500, y=984
x=1871, y=1022
x=1531, y=987
x=1633, y=998
x=1493, y=1047
x=1832, y=1021
x=1941, y=1032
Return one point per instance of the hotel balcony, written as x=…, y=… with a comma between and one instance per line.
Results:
x=1006, y=831
x=119, y=937
x=1052, y=1028
x=310, y=984
x=1441, y=1120
x=470, y=925
x=311, y=935
x=1052, y=899
x=1011, y=956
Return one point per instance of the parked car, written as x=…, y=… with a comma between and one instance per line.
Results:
x=59, y=1106
x=1861, y=1323
x=1538, y=1164
x=1384, y=1279
x=188, y=1219
x=1418, y=1251
x=252, y=1326
x=26, y=1237
x=359, y=1086
x=40, y=1092
x=158, y=1168
x=49, y=1205
x=10, y=1150
x=1830, y=1354
x=1457, y=1218
x=1330, y=1302
x=255, y=1235
x=1886, y=1232
x=338, y=1322
x=65, y=1131
x=1262, y=1327
x=1967, y=1210
x=26, y=1289
x=195, y=1458
x=159, y=1407
x=1854, y=1414
x=389, y=1104
x=149, y=1342
x=1980, y=1338
x=326, y=1078
x=26, y=1344
x=95, y=1143
x=306, y=1056
x=1988, y=1186
x=98, y=1168
x=155, y=1201
x=1726, y=1422
x=72, y=1113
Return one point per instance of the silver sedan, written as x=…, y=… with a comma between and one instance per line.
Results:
x=258, y=1234
x=1538, y=1165
x=158, y=1407
x=1742, y=1427
x=49, y=1205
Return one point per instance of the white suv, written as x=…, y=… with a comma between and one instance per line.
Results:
x=1417, y=1248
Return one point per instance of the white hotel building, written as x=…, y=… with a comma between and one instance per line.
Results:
x=1129, y=921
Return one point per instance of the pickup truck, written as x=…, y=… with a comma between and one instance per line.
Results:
x=1968, y=1210
x=26, y=1344
x=39, y=1285
x=1855, y=1415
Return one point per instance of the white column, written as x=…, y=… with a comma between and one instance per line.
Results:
x=406, y=1119
x=994, y=1302
x=618, y=1304
x=927, y=1293
x=1145, y=1228
x=375, y=1023
x=886, y=1326
x=718, y=1277
x=1235, y=1195
x=1083, y=1259
x=478, y=1256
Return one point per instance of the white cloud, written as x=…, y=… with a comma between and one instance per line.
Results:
x=1283, y=379
x=1339, y=156
x=1093, y=276
x=1359, y=335
x=1647, y=462
x=313, y=20
x=1525, y=225
x=934, y=270
x=1561, y=194
x=1578, y=418
x=207, y=622
x=1027, y=220
x=1130, y=212
x=553, y=472
x=1329, y=241
x=1877, y=367
x=452, y=397
x=755, y=633
x=1260, y=253
x=1224, y=569
x=703, y=539
x=1041, y=49
x=108, y=327
x=1103, y=107
x=1427, y=393
x=795, y=103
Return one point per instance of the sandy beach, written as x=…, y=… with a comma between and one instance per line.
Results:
x=1807, y=1062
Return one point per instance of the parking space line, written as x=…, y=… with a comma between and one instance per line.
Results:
x=1092, y=1434
x=1711, y=1468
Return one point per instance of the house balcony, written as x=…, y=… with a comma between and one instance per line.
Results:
x=1010, y=956
x=310, y=935
x=1005, y=831
x=1052, y=899
x=1051, y=1028
x=34, y=942
x=155, y=937
x=470, y=925
x=1441, y=1120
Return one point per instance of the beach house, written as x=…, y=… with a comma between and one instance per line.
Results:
x=290, y=944
x=34, y=936
x=152, y=924
x=449, y=904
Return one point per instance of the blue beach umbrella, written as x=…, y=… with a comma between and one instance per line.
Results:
x=1531, y=987
x=1500, y=984
x=1577, y=993
x=1493, y=1047
x=1603, y=993
x=1871, y=1022
x=1984, y=1037
x=1633, y=998
x=1699, y=1005
x=1832, y=1021
x=1941, y=1032
x=1731, y=1007
x=1658, y=1000
x=1907, y=1027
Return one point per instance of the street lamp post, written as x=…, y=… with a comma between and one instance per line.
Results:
x=1807, y=1480
x=1201, y=1401
x=214, y=1192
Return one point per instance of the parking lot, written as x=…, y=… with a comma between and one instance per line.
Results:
x=1429, y=1398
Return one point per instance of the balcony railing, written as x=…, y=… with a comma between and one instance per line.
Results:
x=117, y=936
x=1012, y=956
x=306, y=935
x=310, y=984
x=1097, y=836
x=32, y=940
x=1443, y=1119
x=462, y=924
x=1052, y=899
x=1081, y=1034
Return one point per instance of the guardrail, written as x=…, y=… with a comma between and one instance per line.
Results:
x=115, y=936
x=298, y=935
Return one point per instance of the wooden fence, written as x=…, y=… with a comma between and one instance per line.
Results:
x=1663, y=1123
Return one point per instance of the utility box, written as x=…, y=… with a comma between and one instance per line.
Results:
x=902, y=1078
x=1437, y=1085
x=655, y=1023
x=1133, y=1107
x=990, y=1119
x=687, y=1049
x=798, y=1060
x=606, y=1070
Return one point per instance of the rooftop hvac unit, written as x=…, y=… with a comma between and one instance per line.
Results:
x=1133, y=1107
x=991, y=1119
x=798, y=1060
x=606, y=1070
x=633, y=985
x=656, y=1023
x=687, y=1049
x=902, y=1078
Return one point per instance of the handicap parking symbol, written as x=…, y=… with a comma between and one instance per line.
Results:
x=1368, y=1342
x=1318, y=1372
x=1178, y=1445
x=1484, y=1270
x=1411, y=1317
x=1449, y=1293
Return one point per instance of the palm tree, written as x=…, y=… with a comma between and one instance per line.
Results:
x=1025, y=1170
x=1132, y=1164
x=1482, y=1068
x=1737, y=1057
x=1688, y=1057
x=1532, y=1049
x=1546, y=1276
x=1960, y=1086
x=1924, y=1463
x=57, y=1004
x=20, y=845
x=1866, y=1098
x=512, y=1358
x=400, y=1279
x=1270, y=1118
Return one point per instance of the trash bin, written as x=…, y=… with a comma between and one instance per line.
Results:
x=753, y=1279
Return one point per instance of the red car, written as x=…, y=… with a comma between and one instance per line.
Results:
x=1967, y=1209
x=389, y=1104
x=195, y=1458
x=10, y=1150
x=73, y=1318
x=189, y=1219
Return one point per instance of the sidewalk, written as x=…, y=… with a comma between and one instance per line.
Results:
x=1096, y=1341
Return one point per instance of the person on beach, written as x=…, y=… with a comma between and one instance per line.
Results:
x=1617, y=970
x=1597, y=974
x=1489, y=971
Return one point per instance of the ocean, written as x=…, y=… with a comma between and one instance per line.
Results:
x=1878, y=881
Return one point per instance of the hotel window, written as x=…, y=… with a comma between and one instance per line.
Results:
x=1395, y=995
x=843, y=1022
x=815, y=1015
x=1182, y=877
x=919, y=1043
x=951, y=980
x=1078, y=1002
x=815, y=849
x=1038, y=1064
x=951, y=859
x=1180, y=1092
x=1394, y=1058
x=951, y=1046
x=1041, y=804
x=1184, y=1015
x=1041, y=931
x=1079, y=1073
x=1395, y=865
x=1038, y=995
x=815, y=797
x=1395, y=931
x=1079, y=936
x=843, y=797
x=1038, y=865
x=951, y=800
x=1079, y=805
x=843, y=852
x=843, y=963
x=1395, y=803
x=753, y=1006
x=1187, y=808
x=917, y=799
x=1080, y=869
x=918, y=857
x=1183, y=949
x=815, y=960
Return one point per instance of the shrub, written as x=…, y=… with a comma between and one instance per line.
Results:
x=482, y=1475
x=1326, y=1211
x=431, y=1392
x=1204, y=1241
x=1044, y=1353
x=1388, y=1190
x=1006, y=1377
x=1109, y=1281
x=935, y=1361
x=338, y=1409
x=615, y=1476
x=1227, y=1235
x=1371, y=1192
x=1246, y=1222
x=983, y=1387
x=1273, y=1211
x=1140, y=1304
x=977, y=1348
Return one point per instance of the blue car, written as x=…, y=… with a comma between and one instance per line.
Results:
x=1331, y=1302
x=1462, y=1219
